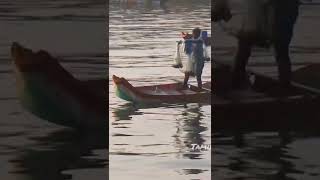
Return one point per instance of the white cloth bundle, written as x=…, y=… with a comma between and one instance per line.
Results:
x=251, y=18
x=187, y=61
x=177, y=55
x=190, y=64
x=205, y=52
x=182, y=60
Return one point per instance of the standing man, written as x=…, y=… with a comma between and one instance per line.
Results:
x=286, y=13
x=198, y=56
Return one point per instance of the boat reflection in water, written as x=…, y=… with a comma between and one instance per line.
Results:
x=263, y=156
x=191, y=126
x=64, y=154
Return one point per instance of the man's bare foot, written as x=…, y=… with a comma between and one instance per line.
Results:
x=199, y=89
x=182, y=87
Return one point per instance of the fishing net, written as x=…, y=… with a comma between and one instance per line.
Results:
x=251, y=19
x=184, y=57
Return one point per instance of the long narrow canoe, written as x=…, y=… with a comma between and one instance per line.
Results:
x=50, y=92
x=163, y=93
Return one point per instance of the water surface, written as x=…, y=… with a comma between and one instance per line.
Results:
x=154, y=142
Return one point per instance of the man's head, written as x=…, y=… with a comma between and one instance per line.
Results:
x=196, y=32
x=221, y=11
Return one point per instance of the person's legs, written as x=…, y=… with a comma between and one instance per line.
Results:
x=199, y=68
x=284, y=62
x=199, y=82
x=241, y=60
x=284, y=23
x=186, y=79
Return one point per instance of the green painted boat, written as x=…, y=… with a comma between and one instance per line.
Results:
x=163, y=93
x=48, y=91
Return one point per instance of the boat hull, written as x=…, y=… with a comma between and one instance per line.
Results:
x=264, y=109
x=48, y=91
x=165, y=93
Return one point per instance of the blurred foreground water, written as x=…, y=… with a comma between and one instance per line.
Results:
x=31, y=148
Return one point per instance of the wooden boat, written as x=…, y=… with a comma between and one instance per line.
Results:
x=262, y=107
x=50, y=92
x=163, y=93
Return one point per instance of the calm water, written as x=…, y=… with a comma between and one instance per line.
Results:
x=31, y=148
x=154, y=142
x=266, y=155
